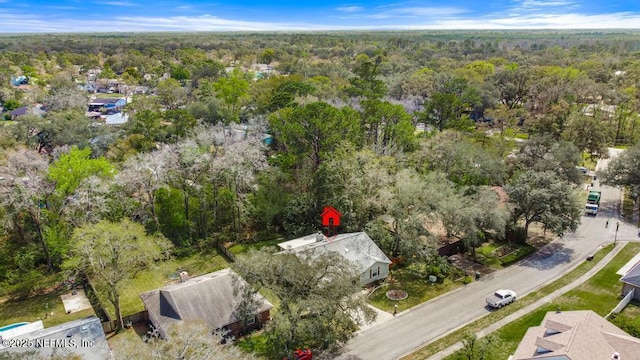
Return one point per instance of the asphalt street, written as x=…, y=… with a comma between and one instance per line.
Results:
x=418, y=326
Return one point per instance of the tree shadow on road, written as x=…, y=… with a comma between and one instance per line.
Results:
x=549, y=257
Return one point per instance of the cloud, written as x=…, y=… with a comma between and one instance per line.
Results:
x=397, y=18
x=396, y=11
x=350, y=9
x=545, y=3
x=117, y=3
x=184, y=7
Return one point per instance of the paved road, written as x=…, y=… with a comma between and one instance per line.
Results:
x=422, y=324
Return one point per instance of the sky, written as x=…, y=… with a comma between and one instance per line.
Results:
x=55, y=16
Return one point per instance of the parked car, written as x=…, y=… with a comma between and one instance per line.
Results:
x=501, y=298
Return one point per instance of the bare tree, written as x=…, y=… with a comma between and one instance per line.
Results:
x=24, y=190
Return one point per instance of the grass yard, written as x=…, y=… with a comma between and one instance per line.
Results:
x=110, y=95
x=37, y=308
x=418, y=288
x=601, y=293
x=163, y=274
x=499, y=255
x=241, y=248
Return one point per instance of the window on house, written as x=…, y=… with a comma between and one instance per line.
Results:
x=374, y=273
x=251, y=321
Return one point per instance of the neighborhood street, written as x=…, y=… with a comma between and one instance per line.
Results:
x=422, y=324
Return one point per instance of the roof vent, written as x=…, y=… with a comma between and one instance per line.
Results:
x=184, y=276
x=319, y=237
x=615, y=356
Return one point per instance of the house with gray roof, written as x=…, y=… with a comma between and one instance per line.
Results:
x=82, y=338
x=576, y=335
x=215, y=298
x=356, y=247
x=631, y=282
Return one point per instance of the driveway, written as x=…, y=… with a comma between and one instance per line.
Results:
x=418, y=326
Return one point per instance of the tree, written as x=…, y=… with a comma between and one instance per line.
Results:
x=310, y=132
x=181, y=120
x=544, y=198
x=189, y=340
x=24, y=194
x=388, y=127
x=171, y=94
x=72, y=168
x=366, y=83
x=267, y=56
x=513, y=83
x=624, y=170
x=588, y=134
x=464, y=162
x=112, y=253
x=233, y=90
x=318, y=295
x=446, y=106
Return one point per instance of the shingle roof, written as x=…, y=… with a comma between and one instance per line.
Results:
x=355, y=247
x=209, y=298
x=632, y=277
x=576, y=335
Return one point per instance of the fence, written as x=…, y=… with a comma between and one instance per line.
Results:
x=225, y=251
x=111, y=325
x=624, y=302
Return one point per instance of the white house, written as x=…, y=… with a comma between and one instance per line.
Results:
x=355, y=247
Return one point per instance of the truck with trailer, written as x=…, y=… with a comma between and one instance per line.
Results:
x=593, y=202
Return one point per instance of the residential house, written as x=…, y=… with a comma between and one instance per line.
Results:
x=108, y=105
x=82, y=339
x=116, y=119
x=631, y=281
x=37, y=110
x=210, y=298
x=356, y=247
x=576, y=335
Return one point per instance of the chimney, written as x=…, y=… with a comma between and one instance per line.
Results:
x=319, y=237
x=184, y=276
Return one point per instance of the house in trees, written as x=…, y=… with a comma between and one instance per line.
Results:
x=209, y=298
x=358, y=248
x=582, y=335
x=108, y=105
x=631, y=282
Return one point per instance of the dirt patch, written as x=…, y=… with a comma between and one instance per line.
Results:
x=468, y=266
x=537, y=236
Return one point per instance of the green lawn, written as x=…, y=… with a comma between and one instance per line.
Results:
x=111, y=95
x=241, y=248
x=419, y=290
x=499, y=255
x=163, y=274
x=601, y=293
x=37, y=307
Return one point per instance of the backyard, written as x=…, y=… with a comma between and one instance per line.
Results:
x=162, y=274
